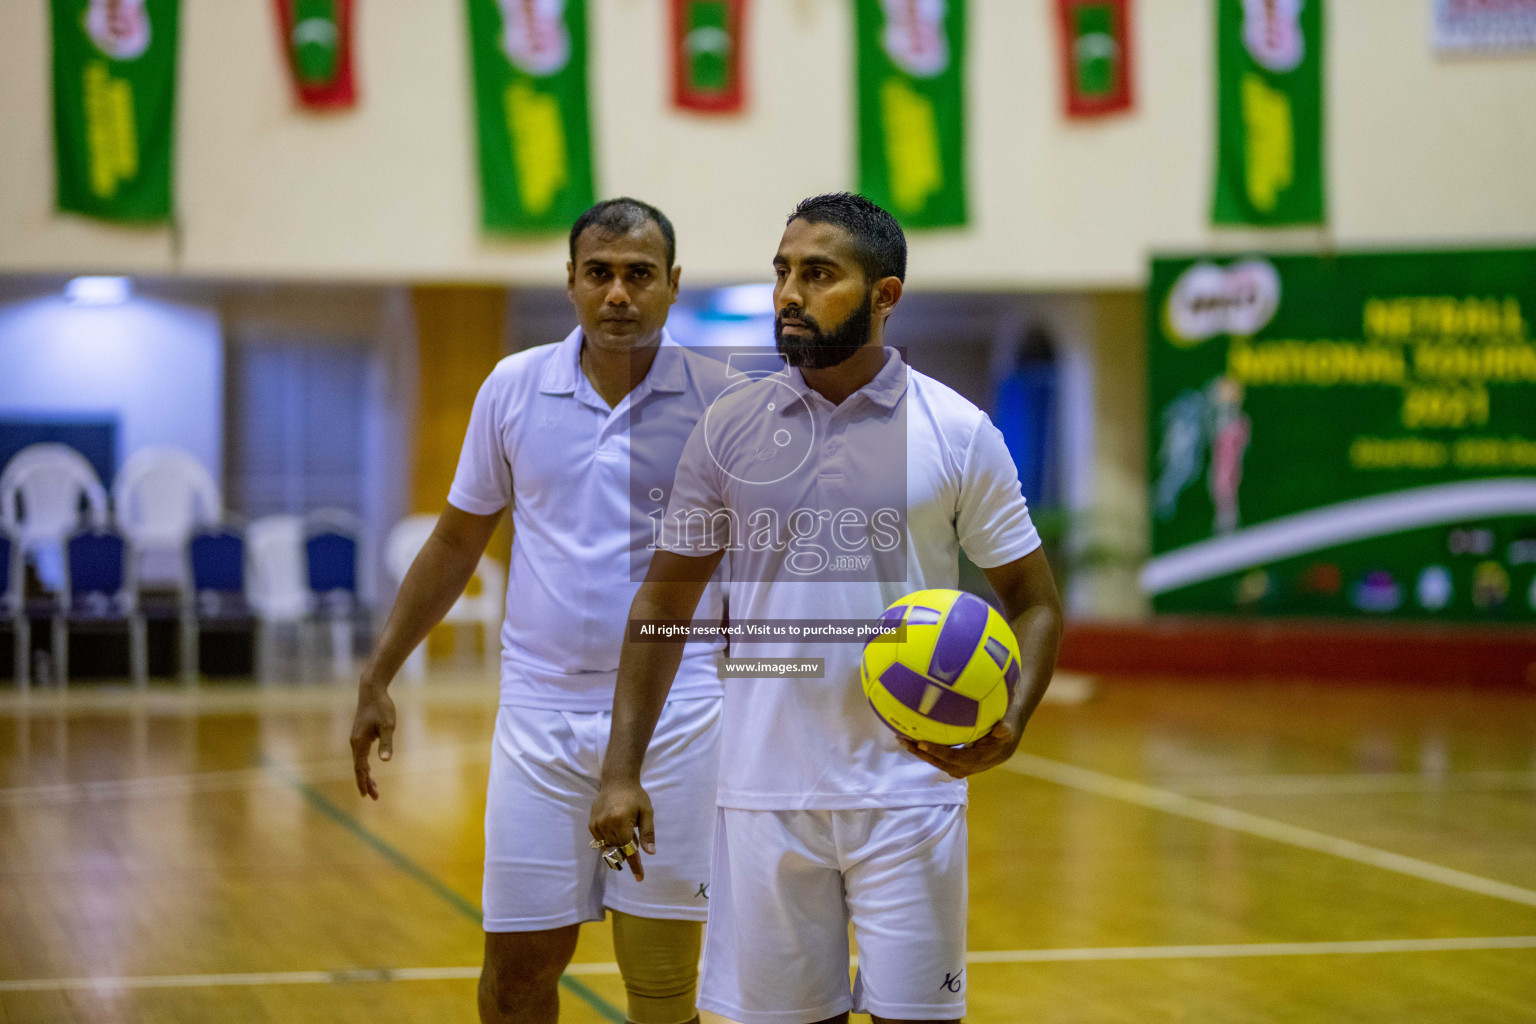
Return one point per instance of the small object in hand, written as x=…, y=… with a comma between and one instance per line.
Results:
x=615, y=856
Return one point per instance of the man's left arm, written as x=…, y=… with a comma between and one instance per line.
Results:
x=1033, y=610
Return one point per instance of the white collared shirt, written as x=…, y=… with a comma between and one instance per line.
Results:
x=585, y=482
x=776, y=449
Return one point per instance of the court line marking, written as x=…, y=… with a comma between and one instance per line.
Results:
x=422, y=759
x=1244, y=949
x=321, y=803
x=1073, y=689
x=997, y=956
x=174, y=700
x=1352, y=783
x=1114, y=787
x=471, y=754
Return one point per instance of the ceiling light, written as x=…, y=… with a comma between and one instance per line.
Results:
x=98, y=291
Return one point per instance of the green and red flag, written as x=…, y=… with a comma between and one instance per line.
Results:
x=911, y=72
x=709, y=55
x=317, y=42
x=1095, y=55
x=535, y=141
x=1269, y=100
x=114, y=106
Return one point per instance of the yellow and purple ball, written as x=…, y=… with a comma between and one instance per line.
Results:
x=949, y=679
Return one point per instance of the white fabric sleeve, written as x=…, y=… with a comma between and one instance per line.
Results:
x=483, y=482
x=696, y=523
x=993, y=520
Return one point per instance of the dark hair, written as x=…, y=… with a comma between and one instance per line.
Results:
x=616, y=217
x=881, y=245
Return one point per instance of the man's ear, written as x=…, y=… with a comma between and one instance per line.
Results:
x=570, y=278
x=886, y=293
x=677, y=279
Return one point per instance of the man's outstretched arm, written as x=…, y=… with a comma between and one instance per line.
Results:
x=671, y=591
x=437, y=577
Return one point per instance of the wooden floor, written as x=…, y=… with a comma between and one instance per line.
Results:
x=1160, y=852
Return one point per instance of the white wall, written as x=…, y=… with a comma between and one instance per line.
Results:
x=1421, y=151
x=156, y=366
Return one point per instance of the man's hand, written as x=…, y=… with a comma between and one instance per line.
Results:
x=990, y=751
x=375, y=720
x=619, y=811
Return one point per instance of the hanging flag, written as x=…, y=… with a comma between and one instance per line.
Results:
x=709, y=55
x=1095, y=55
x=317, y=40
x=1269, y=70
x=530, y=74
x=114, y=106
x=911, y=59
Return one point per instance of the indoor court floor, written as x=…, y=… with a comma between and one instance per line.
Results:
x=1161, y=851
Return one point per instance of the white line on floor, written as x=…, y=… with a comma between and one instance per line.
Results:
x=998, y=956
x=424, y=759
x=1116, y=788
x=1351, y=783
x=1449, y=945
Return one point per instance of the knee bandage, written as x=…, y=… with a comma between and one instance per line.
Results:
x=660, y=963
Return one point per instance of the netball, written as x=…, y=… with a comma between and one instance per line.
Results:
x=949, y=677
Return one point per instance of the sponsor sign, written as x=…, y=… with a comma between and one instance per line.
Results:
x=1350, y=435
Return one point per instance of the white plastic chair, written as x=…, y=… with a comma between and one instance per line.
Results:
x=483, y=604
x=277, y=587
x=40, y=492
x=159, y=497
x=13, y=608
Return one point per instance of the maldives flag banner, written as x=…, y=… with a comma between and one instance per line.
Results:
x=709, y=55
x=317, y=41
x=1269, y=99
x=530, y=76
x=911, y=76
x=1095, y=55
x=114, y=106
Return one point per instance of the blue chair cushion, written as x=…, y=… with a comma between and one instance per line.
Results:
x=332, y=562
x=218, y=562
x=96, y=563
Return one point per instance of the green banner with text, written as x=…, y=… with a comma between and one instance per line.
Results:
x=114, y=107
x=911, y=76
x=1269, y=112
x=1344, y=436
x=535, y=138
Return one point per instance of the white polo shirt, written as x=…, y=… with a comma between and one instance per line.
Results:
x=585, y=482
x=765, y=454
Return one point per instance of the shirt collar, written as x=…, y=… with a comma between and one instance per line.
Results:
x=563, y=375
x=885, y=389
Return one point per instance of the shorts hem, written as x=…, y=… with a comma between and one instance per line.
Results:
x=658, y=913
x=539, y=924
x=735, y=801
x=912, y=1011
x=587, y=703
x=736, y=1013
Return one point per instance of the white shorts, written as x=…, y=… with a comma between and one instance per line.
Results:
x=788, y=883
x=540, y=871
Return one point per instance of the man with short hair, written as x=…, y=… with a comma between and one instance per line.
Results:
x=577, y=437
x=855, y=481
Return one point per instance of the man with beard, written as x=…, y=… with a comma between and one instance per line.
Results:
x=826, y=818
x=574, y=436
